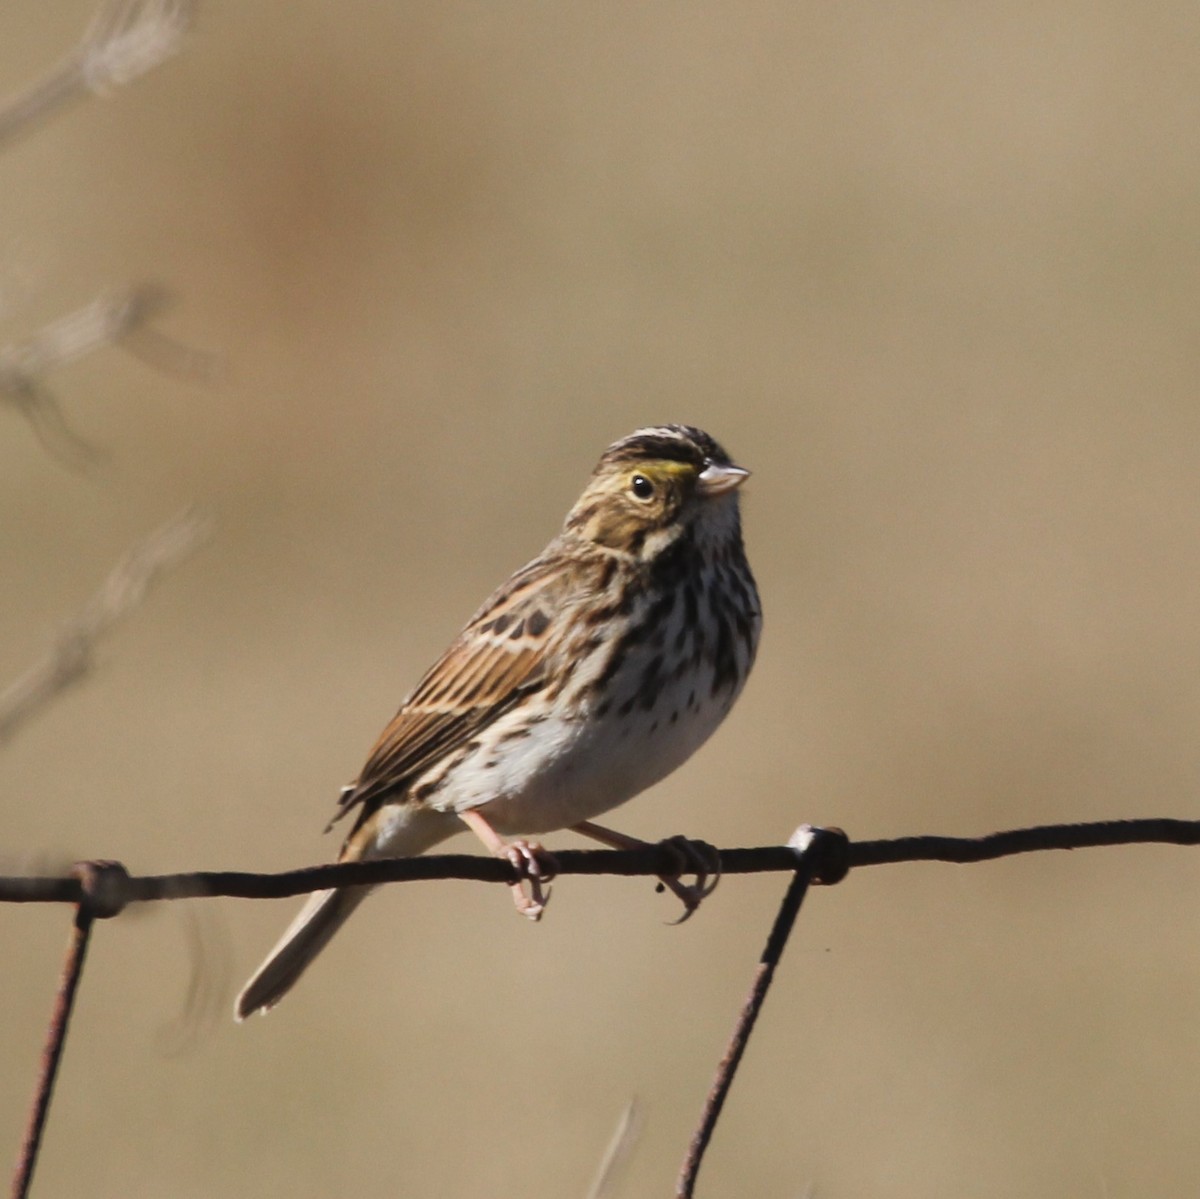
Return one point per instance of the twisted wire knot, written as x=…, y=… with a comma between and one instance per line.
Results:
x=103, y=888
x=825, y=850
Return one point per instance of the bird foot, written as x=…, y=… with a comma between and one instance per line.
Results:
x=696, y=858
x=536, y=867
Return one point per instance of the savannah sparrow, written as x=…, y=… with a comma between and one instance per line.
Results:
x=592, y=673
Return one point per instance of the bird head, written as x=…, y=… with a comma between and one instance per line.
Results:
x=654, y=485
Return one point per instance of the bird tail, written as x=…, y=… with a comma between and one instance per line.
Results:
x=321, y=917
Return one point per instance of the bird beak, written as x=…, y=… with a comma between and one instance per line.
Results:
x=717, y=480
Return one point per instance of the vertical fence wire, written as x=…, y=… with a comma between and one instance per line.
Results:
x=732, y=1057
x=52, y=1053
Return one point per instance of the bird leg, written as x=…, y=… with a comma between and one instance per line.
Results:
x=692, y=857
x=533, y=864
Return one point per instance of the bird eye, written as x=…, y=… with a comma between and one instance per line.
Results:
x=641, y=487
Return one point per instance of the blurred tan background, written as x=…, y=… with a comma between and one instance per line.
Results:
x=930, y=271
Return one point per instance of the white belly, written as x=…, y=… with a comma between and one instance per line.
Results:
x=564, y=772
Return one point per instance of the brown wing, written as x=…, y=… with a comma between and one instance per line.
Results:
x=504, y=653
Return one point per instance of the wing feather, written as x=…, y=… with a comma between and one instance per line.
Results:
x=508, y=649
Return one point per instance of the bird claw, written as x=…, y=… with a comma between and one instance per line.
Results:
x=697, y=858
x=536, y=869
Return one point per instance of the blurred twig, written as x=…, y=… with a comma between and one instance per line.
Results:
x=210, y=976
x=119, y=318
x=73, y=654
x=134, y=309
x=616, y=1155
x=126, y=39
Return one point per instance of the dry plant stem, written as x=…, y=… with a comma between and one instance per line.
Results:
x=727, y=1068
x=126, y=39
x=618, y=1152
x=52, y=1054
x=70, y=659
x=116, y=318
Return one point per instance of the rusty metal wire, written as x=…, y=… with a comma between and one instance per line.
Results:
x=103, y=889
x=97, y=900
x=764, y=974
x=60, y=1017
x=651, y=860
